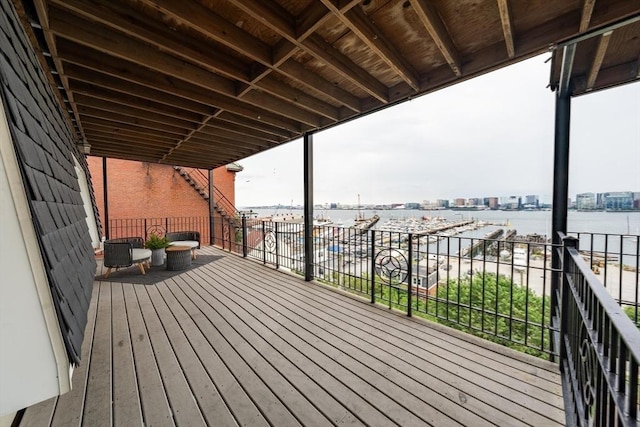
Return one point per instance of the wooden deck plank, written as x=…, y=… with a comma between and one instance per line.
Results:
x=541, y=410
x=390, y=400
x=181, y=400
x=231, y=351
x=532, y=398
x=238, y=343
x=126, y=398
x=273, y=352
x=97, y=407
x=212, y=406
x=541, y=372
x=40, y=414
x=68, y=411
x=155, y=406
x=422, y=400
x=278, y=407
x=239, y=403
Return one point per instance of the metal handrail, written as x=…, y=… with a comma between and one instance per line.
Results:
x=599, y=349
x=220, y=199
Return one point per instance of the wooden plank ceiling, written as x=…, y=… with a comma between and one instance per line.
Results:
x=204, y=83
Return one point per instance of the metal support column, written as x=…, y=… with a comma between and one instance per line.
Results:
x=308, y=206
x=106, y=198
x=561, y=172
x=212, y=209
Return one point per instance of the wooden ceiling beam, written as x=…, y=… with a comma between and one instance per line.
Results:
x=210, y=131
x=118, y=120
x=270, y=14
x=42, y=7
x=296, y=71
x=241, y=131
x=596, y=63
x=107, y=128
x=115, y=126
x=507, y=27
x=121, y=20
x=114, y=107
x=203, y=145
x=86, y=80
x=332, y=57
x=438, y=32
x=127, y=99
x=585, y=14
x=361, y=26
x=132, y=120
x=124, y=70
x=126, y=48
x=256, y=124
x=119, y=136
x=102, y=140
x=208, y=23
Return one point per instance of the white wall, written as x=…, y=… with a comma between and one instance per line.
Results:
x=33, y=362
x=88, y=206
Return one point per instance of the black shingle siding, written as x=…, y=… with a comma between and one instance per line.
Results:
x=45, y=149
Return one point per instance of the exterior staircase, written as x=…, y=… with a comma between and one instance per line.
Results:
x=197, y=179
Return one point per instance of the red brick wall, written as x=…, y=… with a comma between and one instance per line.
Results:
x=149, y=190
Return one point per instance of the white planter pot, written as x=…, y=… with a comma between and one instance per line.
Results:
x=157, y=257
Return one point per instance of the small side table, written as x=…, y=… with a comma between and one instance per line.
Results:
x=178, y=257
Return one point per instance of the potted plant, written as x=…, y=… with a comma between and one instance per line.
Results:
x=156, y=244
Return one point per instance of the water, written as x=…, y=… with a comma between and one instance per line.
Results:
x=525, y=222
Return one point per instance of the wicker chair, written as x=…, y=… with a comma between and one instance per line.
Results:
x=125, y=252
x=185, y=238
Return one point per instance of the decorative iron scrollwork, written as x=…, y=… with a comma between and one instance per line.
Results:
x=157, y=229
x=225, y=231
x=391, y=266
x=587, y=365
x=270, y=242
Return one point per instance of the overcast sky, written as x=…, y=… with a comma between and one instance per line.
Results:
x=490, y=136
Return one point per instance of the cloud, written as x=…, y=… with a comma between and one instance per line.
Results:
x=490, y=136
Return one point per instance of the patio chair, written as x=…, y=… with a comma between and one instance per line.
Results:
x=124, y=252
x=185, y=238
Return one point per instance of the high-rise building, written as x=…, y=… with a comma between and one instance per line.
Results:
x=586, y=202
x=618, y=201
x=492, y=202
x=459, y=202
x=532, y=201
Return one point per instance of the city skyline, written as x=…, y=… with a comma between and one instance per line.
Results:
x=490, y=134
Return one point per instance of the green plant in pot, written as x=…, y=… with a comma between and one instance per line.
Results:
x=157, y=245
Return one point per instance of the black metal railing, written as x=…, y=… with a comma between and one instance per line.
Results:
x=496, y=287
x=599, y=348
x=144, y=227
x=615, y=260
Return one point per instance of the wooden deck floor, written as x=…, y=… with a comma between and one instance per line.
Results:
x=237, y=343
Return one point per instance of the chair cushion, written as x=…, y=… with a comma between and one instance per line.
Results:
x=140, y=254
x=190, y=243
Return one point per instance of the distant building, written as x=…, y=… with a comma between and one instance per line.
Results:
x=586, y=202
x=618, y=201
x=532, y=201
x=459, y=202
x=333, y=206
x=510, y=203
x=474, y=202
x=442, y=203
x=412, y=205
x=492, y=202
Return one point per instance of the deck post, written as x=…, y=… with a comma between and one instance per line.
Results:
x=105, y=196
x=308, y=206
x=212, y=209
x=560, y=174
